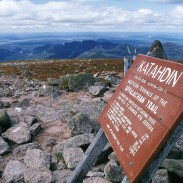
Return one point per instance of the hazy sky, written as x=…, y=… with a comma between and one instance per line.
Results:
x=91, y=15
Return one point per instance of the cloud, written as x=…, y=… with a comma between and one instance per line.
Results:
x=168, y=1
x=81, y=15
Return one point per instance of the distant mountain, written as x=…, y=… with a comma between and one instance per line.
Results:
x=62, y=49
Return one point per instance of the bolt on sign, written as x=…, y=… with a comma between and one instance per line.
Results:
x=144, y=110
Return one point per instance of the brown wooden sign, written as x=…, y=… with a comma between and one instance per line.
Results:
x=144, y=110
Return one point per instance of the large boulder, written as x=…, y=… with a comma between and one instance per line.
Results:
x=77, y=141
x=4, y=147
x=18, y=134
x=79, y=124
x=14, y=171
x=75, y=82
x=4, y=120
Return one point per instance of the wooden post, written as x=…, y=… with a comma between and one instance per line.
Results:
x=90, y=157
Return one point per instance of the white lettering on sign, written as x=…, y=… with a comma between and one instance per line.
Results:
x=162, y=74
x=135, y=94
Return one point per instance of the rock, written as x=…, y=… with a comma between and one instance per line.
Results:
x=107, y=96
x=174, y=166
x=14, y=172
x=47, y=114
x=72, y=156
x=75, y=82
x=113, y=172
x=1, y=104
x=95, y=174
x=37, y=159
x=22, y=149
x=24, y=103
x=93, y=109
x=38, y=163
x=61, y=176
x=113, y=79
x=34, y=129
x=7, y=104
x=161, y=176
x=46, y=90
x=79, y=124
x=53, y=81
x=4, y=120
x=19, y=134
x=95, y=180
x=35, y=176
x=157, y=50
x=4, y=147
x=177, y=150
x=113, y=157
x=97, y=90
x=76, y=141
x=1, y=130
x=29, y=120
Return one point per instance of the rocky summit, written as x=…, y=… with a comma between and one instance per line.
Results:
x=45, y=128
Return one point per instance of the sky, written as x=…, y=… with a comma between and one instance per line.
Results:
x=91, y=16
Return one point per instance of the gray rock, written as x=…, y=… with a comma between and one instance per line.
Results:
x=95, y=174
x=157, y=50
x=97, y=90
x=35, y=176
x=4, y=147
x=61, y=176
x=161, y=176
x=1, y=104
x=19, y=134
x=47, y=114
x=34, y=129
x=24, y=103
x=76, y=82
x=37, y=159
x=76, y=141
x=53, y=81
x=21, y=150
x=113, y=172
x=107, y=96
x=79, y=124
x=46, y=90
x=177, y=151
x=14, y=172
x=174, y=166
x=113, y=156
x=7, y=104
x=93, y=109
x=29, y=120
x=95, y=180
x=113, y=79
x=72, y=156
x=4, y=120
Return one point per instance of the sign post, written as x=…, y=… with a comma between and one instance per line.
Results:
x=142, y=120
x=143, y=113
